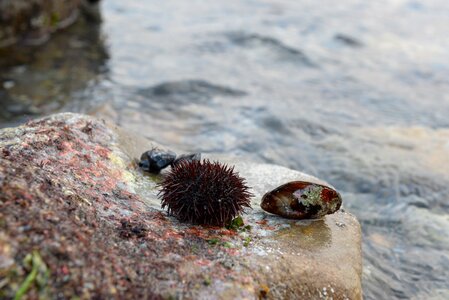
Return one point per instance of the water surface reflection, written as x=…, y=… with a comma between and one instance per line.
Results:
x=39, y=80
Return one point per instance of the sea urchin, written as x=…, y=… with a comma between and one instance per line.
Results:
x=204, y=192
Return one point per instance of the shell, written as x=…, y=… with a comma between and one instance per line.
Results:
x=155, y=160
x=302, y=200
x=187, y=157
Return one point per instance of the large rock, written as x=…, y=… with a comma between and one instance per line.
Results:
x=79, y=219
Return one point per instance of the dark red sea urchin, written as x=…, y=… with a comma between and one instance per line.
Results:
x=204, y=192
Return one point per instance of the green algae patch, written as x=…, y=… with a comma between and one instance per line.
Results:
x=38, y=276
x=237, y=224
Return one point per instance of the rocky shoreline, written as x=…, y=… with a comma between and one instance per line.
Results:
x=78, y=218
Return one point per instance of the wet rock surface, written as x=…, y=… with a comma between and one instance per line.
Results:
x=77, y=212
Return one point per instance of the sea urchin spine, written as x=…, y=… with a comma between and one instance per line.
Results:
x=204, y=192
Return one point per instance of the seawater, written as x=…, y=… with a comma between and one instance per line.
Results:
x=354, y=92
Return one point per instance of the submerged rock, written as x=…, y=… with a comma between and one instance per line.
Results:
x=302, y=200
x=74, y=202
x=32, y=22
x=35, y=81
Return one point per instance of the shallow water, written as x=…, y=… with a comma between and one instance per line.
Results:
x=355, y=93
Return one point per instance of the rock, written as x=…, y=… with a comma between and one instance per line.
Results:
x=32, y=22
x=74, y=202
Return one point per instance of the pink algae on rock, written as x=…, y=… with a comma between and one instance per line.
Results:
x=63, y=196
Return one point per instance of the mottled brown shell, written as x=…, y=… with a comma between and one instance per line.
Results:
x=302, y=200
